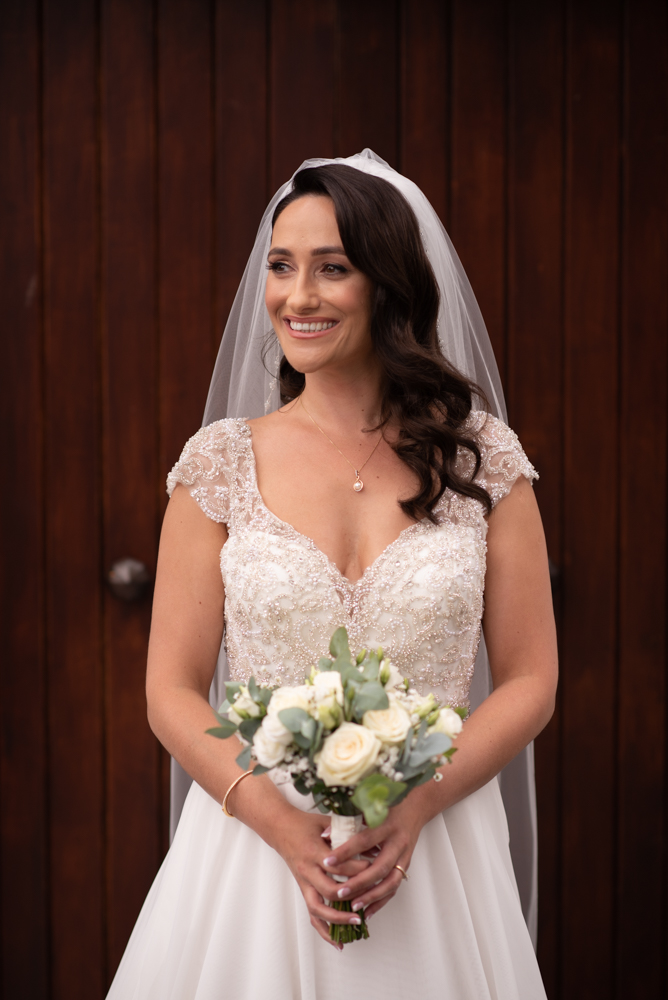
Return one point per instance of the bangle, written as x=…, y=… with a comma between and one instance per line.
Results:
x=231, y=789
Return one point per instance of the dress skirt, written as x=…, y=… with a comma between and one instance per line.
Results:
x=225, y=920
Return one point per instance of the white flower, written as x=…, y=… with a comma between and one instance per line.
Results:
x=448, y=722
x=390, y=725
x=424, y=706
x=291, y=697
x=268, y=752
x=326, y=684
x=348, y=755
x=389, y=675
x=244, y=707
x=275, y=730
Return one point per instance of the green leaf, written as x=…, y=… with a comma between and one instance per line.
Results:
x=301, y=786
x=374, y=796
x=231, y=689
x=462, y=712
x=260, y=769
x=371, y=697
x=225, y=707
x=253, y=689
x=325, y=664
x=222, y=733
x=338, y=645
x=301, y=741
x=317, y=739
x=244, y=758
x=293, y=718
x=308, y=729
x=265, y=696
x=371, y=668
x=249, y=727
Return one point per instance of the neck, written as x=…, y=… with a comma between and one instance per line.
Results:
x=347, y=403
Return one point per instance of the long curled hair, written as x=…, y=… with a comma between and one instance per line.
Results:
x=427, y=398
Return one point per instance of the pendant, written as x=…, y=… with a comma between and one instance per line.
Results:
x=358, y=485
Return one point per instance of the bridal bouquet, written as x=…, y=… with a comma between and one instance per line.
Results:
x=354, y=735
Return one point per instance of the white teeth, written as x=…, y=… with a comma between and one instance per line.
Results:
x=309, y=327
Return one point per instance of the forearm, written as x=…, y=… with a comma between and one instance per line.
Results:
x=179, y=717
x=495, y=733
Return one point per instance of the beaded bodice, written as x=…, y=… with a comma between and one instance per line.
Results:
x=421, y=600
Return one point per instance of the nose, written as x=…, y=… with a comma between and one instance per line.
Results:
x=303, y=293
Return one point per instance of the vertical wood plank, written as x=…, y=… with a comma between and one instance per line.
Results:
x=303, y=52
x=130, y=452
x=478, y=154
x=534, y=382
x=186, y=240
x=640, y=928
x=368, y=102
x=73, y=507
x=589, y=644
x=242, y=184
x=24, y=959
x=424, y=99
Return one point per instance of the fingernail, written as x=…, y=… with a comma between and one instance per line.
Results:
x=342, y=893
x=354, y=920
x=331, y=860
x=356, y=906
x=326, y=833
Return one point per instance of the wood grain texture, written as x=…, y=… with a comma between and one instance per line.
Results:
x=534, y=384
x=129, y=443
x=589, y=644
x=72, y=514
x=641, y=751
x=24, y=892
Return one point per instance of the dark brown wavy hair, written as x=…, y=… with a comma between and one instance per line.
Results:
x=424, y=394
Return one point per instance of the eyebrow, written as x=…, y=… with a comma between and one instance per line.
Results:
x=318, y=252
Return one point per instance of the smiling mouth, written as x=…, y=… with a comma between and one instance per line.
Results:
x=316, y=326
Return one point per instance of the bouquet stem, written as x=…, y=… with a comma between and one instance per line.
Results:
x=343, y=828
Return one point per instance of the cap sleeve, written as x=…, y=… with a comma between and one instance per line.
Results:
x=208, y=468
x=503, y=459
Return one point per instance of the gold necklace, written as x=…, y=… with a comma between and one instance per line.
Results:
x=358, y=485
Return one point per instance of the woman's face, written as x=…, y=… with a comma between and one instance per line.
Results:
x=319, y=304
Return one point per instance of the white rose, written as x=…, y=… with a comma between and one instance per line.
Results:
x=389, y=725
x=348, y=755
x=268, y=752
x=244, y=706
x=327, y=684
x=291, y=697
x=389, y=675
x=276, y=731
x=448, y=722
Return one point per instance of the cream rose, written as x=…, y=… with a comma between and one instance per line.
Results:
x=244, y=707
x=276, y=731
x=268, y=752
x=326, y=685
x=348, y=755
x=448, y=722
x=291, y=697
x=389, y=725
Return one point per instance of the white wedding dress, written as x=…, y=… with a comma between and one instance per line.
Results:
x=224, y=919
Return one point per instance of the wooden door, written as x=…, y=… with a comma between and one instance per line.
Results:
x=141, y=140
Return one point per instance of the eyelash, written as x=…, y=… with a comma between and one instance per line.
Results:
x=274, y=266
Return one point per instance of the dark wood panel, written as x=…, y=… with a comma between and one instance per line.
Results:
x=72, y=416
x=425, y=59
x=186, y=214
x=24, y=914
x=534, y=383
x=478, y=152
x=302, y=84
x=368, y=95
x=242, y=182
x=640, y=928
x=590, y=506
x=129, y=353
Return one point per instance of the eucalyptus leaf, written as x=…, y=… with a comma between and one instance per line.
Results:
x=308, y=729
x=371, y=697
x=338, y=644
x=221, y=733
x=293, y=718
x=253, y=689
x=374, y=796
x=231, y=689
x=244, y=758
x=462, y=712
x=325, y=664
x=264, y=696
x=225, y=707
x=260, y=769
x=301, y=786
x=301, y=741
x=249, y=727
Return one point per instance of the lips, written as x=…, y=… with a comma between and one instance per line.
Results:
x=306, y=329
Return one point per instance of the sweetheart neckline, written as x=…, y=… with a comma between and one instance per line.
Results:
x=352, y=584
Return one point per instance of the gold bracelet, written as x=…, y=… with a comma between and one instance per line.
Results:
x=231, y=789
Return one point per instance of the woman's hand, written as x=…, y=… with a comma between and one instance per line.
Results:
x=301, y=842
x=392, y=843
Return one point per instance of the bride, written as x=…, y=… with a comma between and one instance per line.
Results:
x=371, y=494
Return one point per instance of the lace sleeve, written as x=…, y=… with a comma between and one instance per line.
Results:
x=205, y=469
x=503, y=458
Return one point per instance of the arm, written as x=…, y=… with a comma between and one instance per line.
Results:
x=186, y=632
x=521, y=642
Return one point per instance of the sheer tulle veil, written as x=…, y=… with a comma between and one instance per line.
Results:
x=244, y=384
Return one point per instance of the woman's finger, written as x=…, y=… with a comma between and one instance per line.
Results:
x=319, y=910
x=387, y=887
x=378, y=870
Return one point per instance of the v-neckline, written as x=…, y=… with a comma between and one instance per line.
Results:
x=300, y=536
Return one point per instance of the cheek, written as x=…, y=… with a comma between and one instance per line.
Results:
x=273, y=295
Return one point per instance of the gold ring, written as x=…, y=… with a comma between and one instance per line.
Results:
x=404, y=873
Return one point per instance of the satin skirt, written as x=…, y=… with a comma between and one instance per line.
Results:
x=225, y=920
